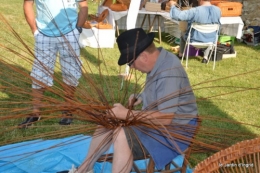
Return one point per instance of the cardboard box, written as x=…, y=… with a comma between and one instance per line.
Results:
x=230, y=9
x=151, y=6
x=97, y=38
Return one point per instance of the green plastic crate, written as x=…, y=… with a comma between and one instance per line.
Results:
x=226, y=38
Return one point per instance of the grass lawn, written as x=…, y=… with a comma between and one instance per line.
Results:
x=230, y=91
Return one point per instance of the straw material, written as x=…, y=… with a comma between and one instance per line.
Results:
x=104, y=25
x=95, y=20
x=101, y=17
x=242, y=157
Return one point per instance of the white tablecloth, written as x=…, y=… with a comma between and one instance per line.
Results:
x=232, y=26
x=95, y=38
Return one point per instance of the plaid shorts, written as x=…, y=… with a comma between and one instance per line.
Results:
x=46, y=51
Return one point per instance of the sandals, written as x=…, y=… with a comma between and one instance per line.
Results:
x=66, y=121
x=29, y=121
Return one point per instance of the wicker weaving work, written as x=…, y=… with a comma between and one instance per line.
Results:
x=98, y=21
x=243, y=157
x=104, y=25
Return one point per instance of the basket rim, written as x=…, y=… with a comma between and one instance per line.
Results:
x=226, y=156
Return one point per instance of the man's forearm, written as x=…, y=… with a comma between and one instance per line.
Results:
x=83, y=13
x=29, y=15
x=153, y=116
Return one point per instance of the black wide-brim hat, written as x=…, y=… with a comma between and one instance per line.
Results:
x=131, y=43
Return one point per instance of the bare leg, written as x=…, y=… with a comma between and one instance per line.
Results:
x=101, y=141
x=123, y=158
x=37, y=95
x=69, y=92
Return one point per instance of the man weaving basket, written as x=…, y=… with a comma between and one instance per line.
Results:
x=168, y=103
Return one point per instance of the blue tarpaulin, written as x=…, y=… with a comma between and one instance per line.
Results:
x=51, y=156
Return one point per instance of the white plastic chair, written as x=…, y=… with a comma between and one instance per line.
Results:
x=203, y=28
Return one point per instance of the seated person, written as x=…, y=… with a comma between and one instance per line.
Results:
x=167, y=93
x=205, y=13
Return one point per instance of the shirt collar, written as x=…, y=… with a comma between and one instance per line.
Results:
x=159, y=61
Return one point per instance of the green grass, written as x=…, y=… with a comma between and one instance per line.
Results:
x=230, y=91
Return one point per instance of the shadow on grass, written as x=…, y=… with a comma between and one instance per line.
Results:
x=17, y=103
x=16, y=99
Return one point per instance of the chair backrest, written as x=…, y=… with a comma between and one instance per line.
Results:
x=132, y=14
x=204, y=28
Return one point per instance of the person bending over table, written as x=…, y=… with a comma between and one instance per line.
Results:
x=167, y=87
x=205, y=13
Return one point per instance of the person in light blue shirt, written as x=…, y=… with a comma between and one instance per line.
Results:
x=56, y=18
x=204, y=14
x=56, y=29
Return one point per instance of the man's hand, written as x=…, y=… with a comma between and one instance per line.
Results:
x=134, y=100
x=120, y=111
x=171, y=3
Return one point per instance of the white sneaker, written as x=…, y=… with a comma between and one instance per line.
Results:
x=73, y=170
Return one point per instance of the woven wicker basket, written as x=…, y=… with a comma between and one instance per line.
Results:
x=96, y=19
x=242, y=157
x=104, y=25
